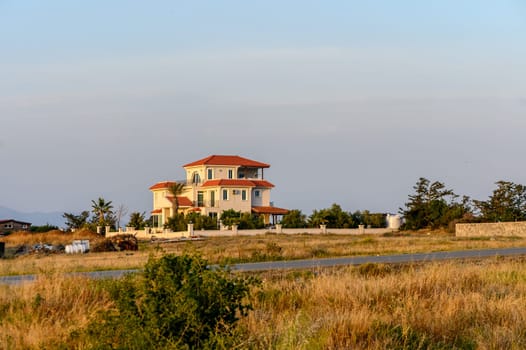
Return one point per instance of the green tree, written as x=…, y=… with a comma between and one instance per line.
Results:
x=75, y=222
x=433, y=206
x=244, y=221
x=357, y=218
x=102, y=212
x=294, y=219
x=333, y=217
x=202, y=222
x=248, y=221
x=230, y=217
x=179, y=302
x=373, y=220
x=507, y=203
x=177, y=223
x=176, y=189
x=137, y=220
x=318, y=217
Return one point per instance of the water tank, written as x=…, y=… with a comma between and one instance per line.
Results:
x=393, y=221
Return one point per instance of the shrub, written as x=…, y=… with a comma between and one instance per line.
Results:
x=178, y=302
x=243, y=220
x=202, y=222
x=177, y=223
x=43, y=228
x=294, y=219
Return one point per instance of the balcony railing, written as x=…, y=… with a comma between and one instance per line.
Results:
x=193, y=183
x=207, y=204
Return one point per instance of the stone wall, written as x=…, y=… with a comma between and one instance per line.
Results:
x=491, y=229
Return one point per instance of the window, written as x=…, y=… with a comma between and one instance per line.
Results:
x=210, y=174
x=257, y=193
x=244, y=195
x=195, y=178
x=212, y=198
x=230, y=173
x=225, y=195
x=8, y=226
x=200, y=199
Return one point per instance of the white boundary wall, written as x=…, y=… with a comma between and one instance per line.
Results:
x=166, y=234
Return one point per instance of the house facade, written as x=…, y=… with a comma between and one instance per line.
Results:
x=215, y=184
x=11, y=225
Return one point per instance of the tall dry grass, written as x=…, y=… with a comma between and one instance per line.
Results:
x=440, y=306
x=43, y=314
x=465, y=305
x=51, y=237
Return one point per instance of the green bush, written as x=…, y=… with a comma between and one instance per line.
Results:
x=179, y=302
x=43, y=229
x=245, y=221
x=177, y=223
x=202, y=222
x=294, y=219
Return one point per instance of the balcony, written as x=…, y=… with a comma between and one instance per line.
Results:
x=193, y=183
x=206, y=204
x=189, y=183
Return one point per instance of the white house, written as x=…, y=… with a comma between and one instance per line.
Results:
x=215, y=184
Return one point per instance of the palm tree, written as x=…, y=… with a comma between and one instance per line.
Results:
x=137, y=220
x=175, y=189
x=101, y=209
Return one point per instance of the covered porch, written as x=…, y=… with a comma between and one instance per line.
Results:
x=271, y=215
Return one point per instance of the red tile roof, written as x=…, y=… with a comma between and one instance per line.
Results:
x=162, y=185
x=270, y=210
x=228, y=160
x=157, y=211
x=182, y=201
x=262, y=183
x=237, y=183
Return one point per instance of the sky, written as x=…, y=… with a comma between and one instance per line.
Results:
x=349, y=101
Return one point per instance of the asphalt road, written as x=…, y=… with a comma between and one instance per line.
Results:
x=384, y=259
x=315, y=263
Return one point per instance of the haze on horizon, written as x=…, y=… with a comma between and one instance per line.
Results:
x=349, y=101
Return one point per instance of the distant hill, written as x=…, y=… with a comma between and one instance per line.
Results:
x=35, y=218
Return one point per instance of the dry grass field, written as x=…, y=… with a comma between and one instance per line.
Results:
x=237, y=249
x=437, y=306
x=43, y=314
x=446, y=305
x=442, y=305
